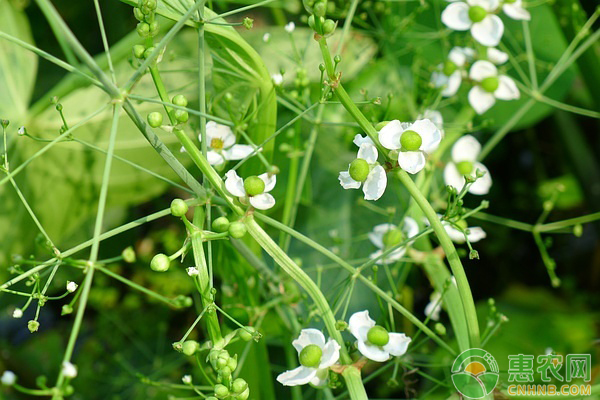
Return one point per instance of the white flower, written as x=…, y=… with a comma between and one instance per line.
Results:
x=489, y=86
x=474, y=233
x=515, y=10
x=464, y=162
x=476, y=15
x=496, y=56
x=187, y=379
x=315, y=356
x=434, y=307
x=414, y=141
x=71, y=286
x=435, y=117
x=17, y=313
x=192, y=271
x=21, y=131
x=277, y=79
x=8, y=378
x=450, y=73
x=386, y=344
x=386, y=236
x=365, y=171
x=259, y=199
x=221, y=144
x=69, y=370
x=266, y=37
x=290, y=26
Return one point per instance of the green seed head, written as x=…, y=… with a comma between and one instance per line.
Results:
x=477, y=13
x=190, y=347
x=220, y=224
x=247, y=333
x=254, y=185
x=221, y=391
x=378, y=336
x=449, y=68
x=179, y=208
x=237, y=230
x=310, y=356
x=155, y=119
x=180, y=100
x=359, y=170
x=393, y=237
x=464, y=167
x=490, y=84
x=410, y=140
x=181, y=116
x=160, y=263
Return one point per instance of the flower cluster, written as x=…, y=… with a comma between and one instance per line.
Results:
x=365, y=171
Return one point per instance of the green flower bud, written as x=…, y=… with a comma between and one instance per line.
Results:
x=138, y=50
x=232, y=363
x=322, y=67
x=237, y=229
x=244, y=395
x=392, y=238
x=155, y=119
x=477, y=13
x=220, y=224
x=359, y=170
x=178, y=208
x=473, y=255
x=378, y=336
x=319, y=9
x=69, y=390
x=311, y=22
x=329, y=27
x=180, y=100
x=59, y=107
x=449, y=68
x=190, y=347
x=341, y=325
x=66, y=309
x=464, y=167
x=410, y=140
x=138, y=14
x=128, y=255
x=490, y=84
x=181, y=115
x=239, y=385
x=337, y=59
x=310, y=356
x=221, y=391
x=33, y=326
x=254, y=185
x=440, y=329
x=578, y=230
x=160, y=263
x=246, y=333
x=225, y=372
x=154, y=28
x=248, y=23
x=143, y=29
x=151, y=4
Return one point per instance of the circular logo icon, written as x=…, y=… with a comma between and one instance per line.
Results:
x=475, y=373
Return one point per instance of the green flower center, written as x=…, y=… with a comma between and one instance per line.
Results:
x=449, y=68
x=464, y=167
x=359, y=170
x=410, y=140
x=393, y=237
x=310, y=356
x=254, y=185
x=490, y=84
x=477, y=13
x=378, y=336
x=216, y=144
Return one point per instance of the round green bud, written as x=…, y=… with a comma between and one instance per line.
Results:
x=179, y=208
x=237, y=229
x=143, y=29
x=68, y=391
x=410, y=140
x=225, y=372
x=128, y=255
x=337, y=59
x=378, y=336
x=464, y=167
x=221, y=391
x=319, y=9
x=254, y=185
x=138, y=14
x=232, y=363
x=440, y=329
x=148, y=52
x=490, y=84
x=329, y=27
x=33, y=326
x=138, y=50
x=151, y=4
x=310, y=356
x=190, y=347
x=449, y=68
x=477, y=13
x=311, y=22
x=59, y=107
x=239, y=385
x=181, y=115
x=66, y=309
x=341, y=325
x=359, y=170
x=220, y=224
x=154, y=28
x=392, y=238
x=160, y=263
x=578, y=230
x=322, y=67
x=246, y=333
x=180, y=100
x=155, y=119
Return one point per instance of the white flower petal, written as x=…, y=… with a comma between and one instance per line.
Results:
x=430, y=134
x=262, y=201
x=359, y=140
x=331, y=354
x=411, y=161
x=475, y=234
x=299, y=376
x=507, y=89
x=489, y=31
x=410, y=227
x=482, y=69
x=8, y=378
x=390, y=258
x=376, y=235
x=238, y=152
x=359, y=325
x=347, y=182
x=234, y=184
x=496, y=56
x=455, y=235
x=434, y=307
x=69, y=370
x=375, y=353
x=487, y=5
x=452, y=84
x=516, y=11
x=452, y=177
x=368, y=152
x=438, y=79
x=467, y=148
x=307, y=337
x=456, y=16
x=389, y=135
x=376, y=182
x=457, y=56
x=435, y=117
x=269, y=181
x=218, y=131
x=320, y=378
x=398, y=344
x=482, y=185
x=480, y=100
x=214, y=158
